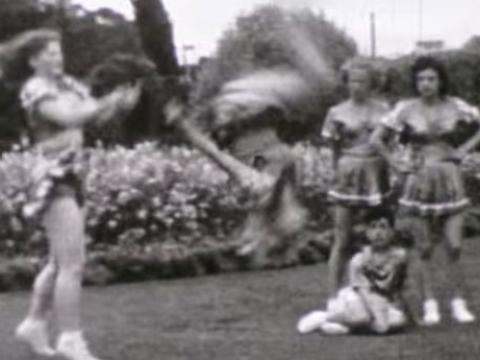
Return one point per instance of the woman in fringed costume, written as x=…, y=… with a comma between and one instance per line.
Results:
x=361, y=174
x=433, y=189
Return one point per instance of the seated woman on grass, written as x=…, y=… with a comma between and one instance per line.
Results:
x=372, y=301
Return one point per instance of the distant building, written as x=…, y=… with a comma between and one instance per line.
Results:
x=429, y=46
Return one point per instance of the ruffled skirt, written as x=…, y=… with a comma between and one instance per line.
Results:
x=361, y=180
x=62, y=176
x=435, y=189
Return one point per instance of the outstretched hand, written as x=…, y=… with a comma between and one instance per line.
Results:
x=119, y=101
x=173, y=111
x=131, y=95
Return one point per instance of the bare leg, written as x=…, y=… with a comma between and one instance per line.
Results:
x=64, y=225
x=424, y=241
x=336, y=261
x=43, y=288
x=34, y=328
x=453, y=232
x=423, y=229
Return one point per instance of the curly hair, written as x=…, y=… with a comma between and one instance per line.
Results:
x=16, y=53
x=119, y=69
x=427, y=62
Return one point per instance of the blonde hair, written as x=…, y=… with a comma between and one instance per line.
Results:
x=360, y=64
x=16, y=53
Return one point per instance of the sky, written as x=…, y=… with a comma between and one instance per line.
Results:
x=399, y=23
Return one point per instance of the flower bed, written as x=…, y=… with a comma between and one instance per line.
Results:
x=163, y=212
x=151, y=206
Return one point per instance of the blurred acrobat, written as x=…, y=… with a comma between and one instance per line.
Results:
x=245, y=143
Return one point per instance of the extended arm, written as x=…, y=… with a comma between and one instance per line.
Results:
x=242, y=173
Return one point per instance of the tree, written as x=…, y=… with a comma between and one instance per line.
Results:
x=265, y=38
x=156, y=35
x=273, y=38
x=472, y=44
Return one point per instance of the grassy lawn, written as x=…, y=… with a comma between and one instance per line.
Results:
x=242, y=316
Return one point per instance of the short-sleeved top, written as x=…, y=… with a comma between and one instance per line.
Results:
x=38, y=89
x=384, y=273
x=351, y=125
x=433, y=128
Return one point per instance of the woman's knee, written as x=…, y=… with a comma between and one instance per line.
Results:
x=46, y=276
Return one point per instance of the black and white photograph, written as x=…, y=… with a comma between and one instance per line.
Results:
x=239, y=179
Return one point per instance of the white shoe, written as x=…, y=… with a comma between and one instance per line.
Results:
x=460, y=311
x=311, y=322
x=72, y=346
x=431, y=313
x=333, y=328
x=35, y=334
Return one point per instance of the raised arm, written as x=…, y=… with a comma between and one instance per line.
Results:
x=69, y=110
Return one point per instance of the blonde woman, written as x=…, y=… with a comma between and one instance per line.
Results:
x=361, y=175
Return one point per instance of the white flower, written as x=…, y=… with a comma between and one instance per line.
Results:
x=142, y=214
x=112, y=224
x=30, y=210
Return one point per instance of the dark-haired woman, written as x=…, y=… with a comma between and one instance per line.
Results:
x=361, y=176
x=57, y=108
x=433, y=191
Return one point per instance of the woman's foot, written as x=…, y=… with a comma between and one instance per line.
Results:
x=73, y=346
x=311, y=322
x=460, y=311
x=431, y=312
x=35, y=333
x=333, y=328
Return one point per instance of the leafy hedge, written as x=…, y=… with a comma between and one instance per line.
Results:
x=163, y=212
x=152, y=212
x=145, y=196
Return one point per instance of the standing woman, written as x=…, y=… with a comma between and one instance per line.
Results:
x=361, y=176
x=433, y=191
x=57, y=107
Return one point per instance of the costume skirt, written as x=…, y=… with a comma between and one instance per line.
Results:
x=435, y=189
x=361, y=180
x=56, y=177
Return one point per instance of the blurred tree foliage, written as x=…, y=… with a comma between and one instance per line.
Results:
x=258, y=40
x=472, y=44
x=261, y=40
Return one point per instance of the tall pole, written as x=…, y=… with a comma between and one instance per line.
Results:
x=373, y=36
x=420, y=20
x=62, y=15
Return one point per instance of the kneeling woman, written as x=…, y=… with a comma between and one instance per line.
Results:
x=57, y=108
x=433, y=191
x=373, y=299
